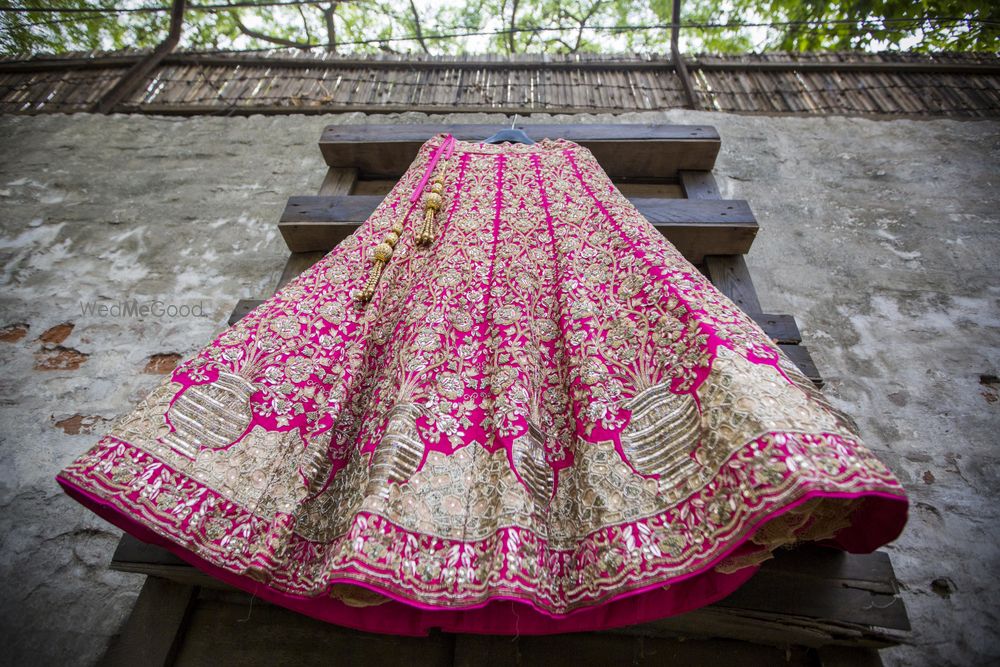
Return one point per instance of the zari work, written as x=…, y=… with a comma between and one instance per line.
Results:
x=541, y=419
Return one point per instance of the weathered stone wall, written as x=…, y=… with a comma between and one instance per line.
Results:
x=880, y=236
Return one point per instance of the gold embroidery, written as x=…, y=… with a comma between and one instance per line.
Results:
x=582, y=319
x=398, y=453
x=815, y=519
x=145, y=423
x=356, y=596
x=742, y=400
x=210, y=415
x=528, y=452
x=662, y=432
x=598, y=490
x=260, y=471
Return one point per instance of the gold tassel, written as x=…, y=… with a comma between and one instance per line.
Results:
x=383, y=251
x=432, y=204
x=426, y=235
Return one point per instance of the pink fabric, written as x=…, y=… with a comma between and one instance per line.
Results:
x=881, y=515
x=446, y=148
x=547, y=421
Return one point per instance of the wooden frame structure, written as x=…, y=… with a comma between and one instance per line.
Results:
x=804, y=607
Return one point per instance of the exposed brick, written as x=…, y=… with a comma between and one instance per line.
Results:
x=80, y=424
x=163, y=363
x=57, y=334
x=13, y=332
x=59, y=358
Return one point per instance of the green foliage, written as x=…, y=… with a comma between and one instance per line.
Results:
x=370, y=26
x=906, y=31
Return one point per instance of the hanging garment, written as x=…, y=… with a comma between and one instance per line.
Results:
x=505, y=404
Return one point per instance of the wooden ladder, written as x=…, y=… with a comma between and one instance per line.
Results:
x=807, y=606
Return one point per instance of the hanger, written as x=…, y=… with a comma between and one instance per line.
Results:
x=511, y=135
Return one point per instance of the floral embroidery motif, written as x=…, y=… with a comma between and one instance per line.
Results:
x=548, y=404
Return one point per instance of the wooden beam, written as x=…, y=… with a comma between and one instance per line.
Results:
x=799, y=355
x=152, y=634
x=318, y=107
x=132, y=80
x=297, y=263
x=624, y=151
x=847, y=656
x=242, y=309
x=699, y=185
x=582, y=649
x=780, y=328
x=985, y=69
x=852, y=598
x=730, y=274
x=235, y=628
x=339, y=181
x=696, y=228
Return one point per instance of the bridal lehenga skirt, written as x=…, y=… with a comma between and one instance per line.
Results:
x=539, y=418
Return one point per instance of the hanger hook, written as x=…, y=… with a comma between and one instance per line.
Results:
x=513, y=121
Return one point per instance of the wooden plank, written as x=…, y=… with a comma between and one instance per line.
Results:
x=729, y=273
x=847, y=656
x=664, y=189
x=783, y=593
x=151, y=635
x=780, y=328
x=696, y=228
x=871, y=571
x=843, y=588
x=624, y=151
x=358, y=208
x=232, y=628
x=652, y=65
x=699, y=185
x=710, y=65
x=297, y=263
x=581, y=649
x=242, y=309
x=374, y=186
x=799, y=355
x=339, y=181
x=763, y=628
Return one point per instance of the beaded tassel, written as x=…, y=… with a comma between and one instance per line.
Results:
x=383, y=253
x=432, y=204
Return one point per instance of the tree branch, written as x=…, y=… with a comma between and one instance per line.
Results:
x=250, y=32
x=331, y=27
x=420, y=33
x=513, y=24
x=305, y=24
x=583, y=23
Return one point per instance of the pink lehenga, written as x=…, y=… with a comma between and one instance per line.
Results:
x=504, y=404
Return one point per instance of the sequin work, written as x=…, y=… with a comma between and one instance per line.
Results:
x=541, y=419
